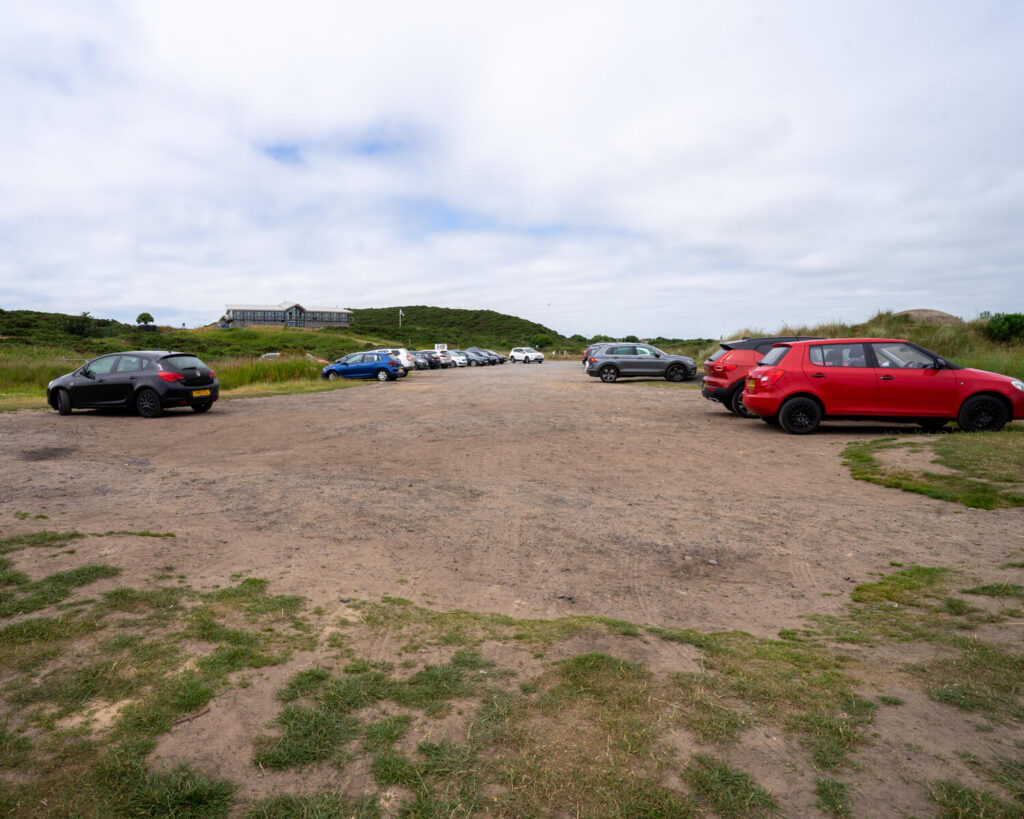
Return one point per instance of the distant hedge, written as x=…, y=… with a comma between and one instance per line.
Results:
x=1005, y=327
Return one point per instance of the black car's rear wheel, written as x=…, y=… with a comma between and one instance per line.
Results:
x=147, y=404
x=63, y=402
x=800, y=416
x=737, y=405
x=677, y=372
x=982, y=413
x=608, y=373
x=202, y=407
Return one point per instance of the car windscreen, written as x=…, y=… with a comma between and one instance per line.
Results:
x=775, y=355
x=183, y=362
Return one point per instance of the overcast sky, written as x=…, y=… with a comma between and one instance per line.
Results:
x=660, y=168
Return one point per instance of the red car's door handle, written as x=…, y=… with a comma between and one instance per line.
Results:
x=818, y=375
x=888, y=377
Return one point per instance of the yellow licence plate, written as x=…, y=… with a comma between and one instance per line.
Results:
x=199, y=393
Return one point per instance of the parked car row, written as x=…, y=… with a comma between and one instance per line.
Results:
x=792, y=382
x=796, y=383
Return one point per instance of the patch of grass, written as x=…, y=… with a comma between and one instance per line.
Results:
x=250, y=596
x=1009, y=773
x=304, y=683
x=988, y=467
x=730, y=792
x=386, y=732
x=908, y=587
x=833, y=797
x=314, y=806
x=143, y=533
x=43, y=539
x=959, y=802
x=50, y=590
x=887, y=700
x=798, y=685
x=389, y=767
x=307, y=735
x=14, y=749
x=1013, y=565
x=998, y=590
x=981, y=677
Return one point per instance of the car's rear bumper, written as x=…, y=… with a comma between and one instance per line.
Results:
x=187, y=397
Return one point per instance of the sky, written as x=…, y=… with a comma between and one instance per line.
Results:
x=657, y=168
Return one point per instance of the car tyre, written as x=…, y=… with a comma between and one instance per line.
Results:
x=204, y=407
x=383, y=375
x=147, y=404
x=676, y=373
x=608, y=373
x=982, y=413
x=332, y=376
x=738, y=407
x=63, y=402
x=800, y=416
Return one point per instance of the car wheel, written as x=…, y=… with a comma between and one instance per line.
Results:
x=332, y=376
x=202, y=407
x=933, y=424
x=383, y=375
x=982, y=413
x=799, y=416
x=608, y=373
x=737, y=406
x=147, y=404
x=676, y=372
x=472, y=363
x=63, y=402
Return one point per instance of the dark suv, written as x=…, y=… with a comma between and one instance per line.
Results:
x=614, y=361
x=726, y=370
x=148, y=381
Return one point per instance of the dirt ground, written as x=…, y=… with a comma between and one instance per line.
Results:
x=532, y=491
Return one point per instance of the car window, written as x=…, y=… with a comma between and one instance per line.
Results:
x=129, y=364
x=183, y=362
x=775, y=355
x=838, y=355
x=620, y=351
x=645, y=351
x=897, y=354
x=102, y=366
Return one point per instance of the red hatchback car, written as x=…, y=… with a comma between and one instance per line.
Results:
x=800, y=384
x=725, y=372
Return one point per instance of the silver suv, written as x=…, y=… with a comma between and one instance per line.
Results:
x=614, y=361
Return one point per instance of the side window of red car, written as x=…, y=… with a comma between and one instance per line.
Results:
x=838, y=355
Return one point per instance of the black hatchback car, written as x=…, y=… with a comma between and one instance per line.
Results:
x=148, y=381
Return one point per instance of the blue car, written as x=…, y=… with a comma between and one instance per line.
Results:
x=363, y=365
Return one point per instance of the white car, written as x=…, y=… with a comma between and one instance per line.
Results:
x=526, y=355
x=459, y=358
x=401, y=355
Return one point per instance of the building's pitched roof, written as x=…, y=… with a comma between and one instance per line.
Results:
x=285, y=305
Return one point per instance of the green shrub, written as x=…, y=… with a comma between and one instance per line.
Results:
x=1005, y=327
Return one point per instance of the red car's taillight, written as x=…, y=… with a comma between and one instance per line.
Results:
x=769, y=378
x=724, y=368
x=592, y=360
x=167, y=376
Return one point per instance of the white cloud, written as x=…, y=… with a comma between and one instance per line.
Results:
x=653, y=167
